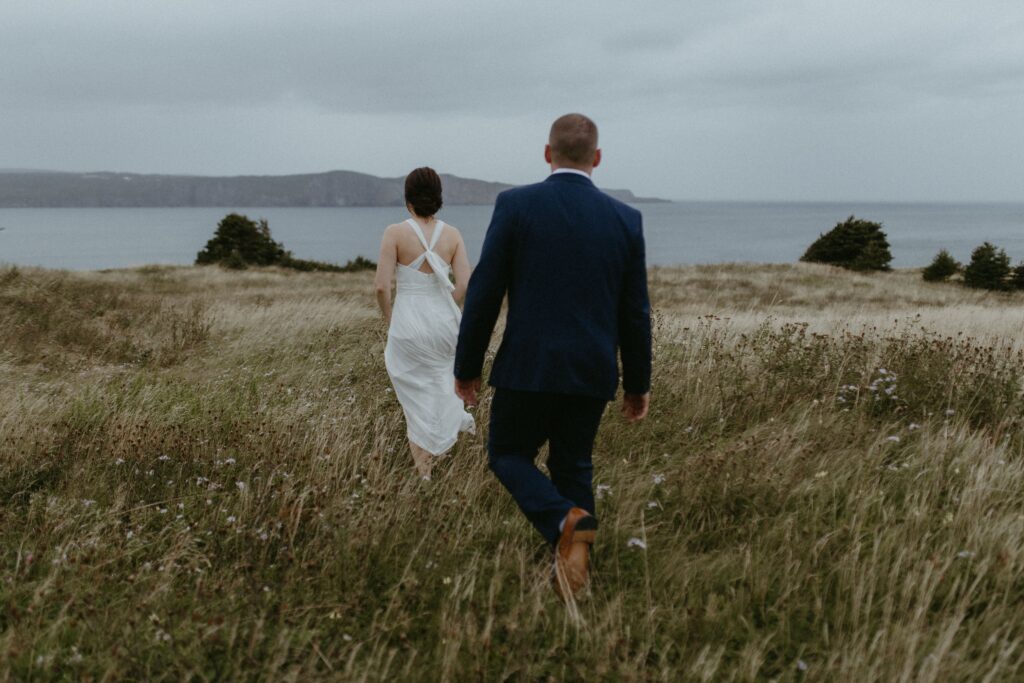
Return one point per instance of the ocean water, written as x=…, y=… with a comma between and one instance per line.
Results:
x=677, y=233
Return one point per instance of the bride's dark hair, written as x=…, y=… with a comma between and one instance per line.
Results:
x=423, y=191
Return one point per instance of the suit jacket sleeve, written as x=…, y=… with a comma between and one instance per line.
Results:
x=635, y=322
x=486, y=290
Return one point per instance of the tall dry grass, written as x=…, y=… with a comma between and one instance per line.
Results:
x=204, y=477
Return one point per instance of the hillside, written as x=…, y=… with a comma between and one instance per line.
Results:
x=336, y=188
x=203, y=475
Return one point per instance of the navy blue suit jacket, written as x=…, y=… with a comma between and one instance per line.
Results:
x=571, y=260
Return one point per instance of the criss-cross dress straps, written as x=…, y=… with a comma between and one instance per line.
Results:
x=437, y=264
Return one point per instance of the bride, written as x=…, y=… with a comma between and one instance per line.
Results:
x=423, y=324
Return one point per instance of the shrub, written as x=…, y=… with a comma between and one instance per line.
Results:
x=240, y=242
x=854, y=244
x=1017, y=278
x=989, y=268
x=239, y=239
x=356, y=264
x=942, y=267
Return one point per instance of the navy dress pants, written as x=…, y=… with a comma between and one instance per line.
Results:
x=521, y=421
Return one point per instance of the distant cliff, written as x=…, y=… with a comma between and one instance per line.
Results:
x=335, y=188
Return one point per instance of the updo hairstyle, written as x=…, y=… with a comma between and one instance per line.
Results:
x=423, y=191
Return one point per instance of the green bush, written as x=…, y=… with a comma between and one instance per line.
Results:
x=240, y=242
x=989, y=268
x=942, y=267
x=1017, y=278
x=238, y=239
x=854, y=244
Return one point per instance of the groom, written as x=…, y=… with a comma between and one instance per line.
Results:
x=571, y=260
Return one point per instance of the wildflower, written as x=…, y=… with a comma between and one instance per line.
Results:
x=240, y=485
x=229, y=461
x=950, y=412
x=652, y=504
x=603, y=489
x=231, y=519
x=801, y=665
x=130, y=534
x=119, y=461
x=88, y=503
x=636, y=543
x=164, y=458
x=893, y=438
x=447, y=580
x=658, y=479
x=347, y=638
x=965, y=554
x=912, y=426
x=162, y=511
x=181, y=506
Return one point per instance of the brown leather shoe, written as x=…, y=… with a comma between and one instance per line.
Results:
x=572, y=553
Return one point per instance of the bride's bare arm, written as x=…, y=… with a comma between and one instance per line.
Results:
x=460, y=266
x=386, y=272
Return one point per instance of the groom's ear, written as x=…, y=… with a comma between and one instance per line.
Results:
x=547, y=153
x=597, y=157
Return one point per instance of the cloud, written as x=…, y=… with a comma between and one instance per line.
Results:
x=660, y=75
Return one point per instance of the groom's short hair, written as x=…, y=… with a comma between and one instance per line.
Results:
x=573, y=139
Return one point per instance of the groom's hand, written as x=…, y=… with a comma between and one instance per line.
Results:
x=467, y=390
x=634, y=406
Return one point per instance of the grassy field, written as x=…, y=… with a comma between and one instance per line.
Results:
x=203, y=476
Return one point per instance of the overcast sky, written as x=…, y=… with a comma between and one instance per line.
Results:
x=712, y=99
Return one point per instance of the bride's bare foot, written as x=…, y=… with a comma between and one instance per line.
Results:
x=423, y=461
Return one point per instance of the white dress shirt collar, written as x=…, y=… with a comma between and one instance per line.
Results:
x=570, y=170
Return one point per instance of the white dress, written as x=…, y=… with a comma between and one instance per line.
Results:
x=420, y=353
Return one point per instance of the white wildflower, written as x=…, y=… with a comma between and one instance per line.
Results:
x=893, y=438
x=658, y=479
x=231, y=519
x=164, y=458
x=636, y=543
x=965, y=554
x=240, y=485
x=603, y=489
x=912, y=426
x=119, y=461
x=652, y=504
x=88, y=502
x=950, y=412
x=801, y=665
x=229, y=461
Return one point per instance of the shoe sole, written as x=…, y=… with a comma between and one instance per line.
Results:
x=576, y=548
